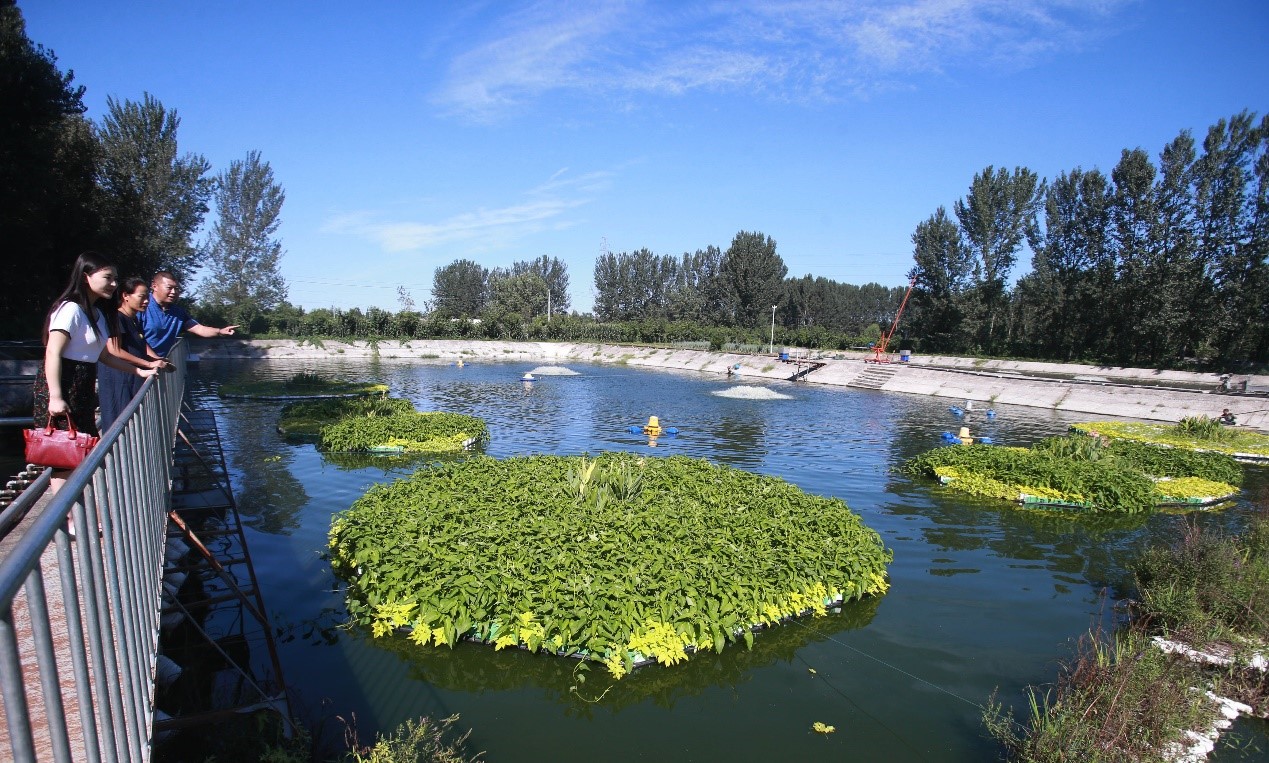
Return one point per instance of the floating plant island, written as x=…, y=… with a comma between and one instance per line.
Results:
x=620, y=559
x=304, y=420
x=1198, y=433
x=403, y=433
x=1082, y=473
x=302, y=385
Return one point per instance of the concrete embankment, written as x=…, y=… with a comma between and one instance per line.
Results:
x=1132, y=393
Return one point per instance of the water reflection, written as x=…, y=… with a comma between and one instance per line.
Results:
x=269, y=496
x=478, y=668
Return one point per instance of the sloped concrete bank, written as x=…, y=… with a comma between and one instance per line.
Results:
x=1100, y=392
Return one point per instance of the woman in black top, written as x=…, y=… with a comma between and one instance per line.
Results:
x=114, y=388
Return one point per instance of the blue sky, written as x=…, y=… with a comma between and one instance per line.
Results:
x=411, y=134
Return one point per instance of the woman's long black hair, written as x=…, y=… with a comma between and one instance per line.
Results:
x=77, y=291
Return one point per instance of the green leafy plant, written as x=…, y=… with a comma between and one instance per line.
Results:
x=422, y=741
x=1080, y=472
x=618, y=559
x=305, y=419
x=1201, y=428
x=410, y=432
x=1231, y=442
x=1193, y=489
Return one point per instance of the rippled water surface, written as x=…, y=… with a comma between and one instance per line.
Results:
x=982, y=597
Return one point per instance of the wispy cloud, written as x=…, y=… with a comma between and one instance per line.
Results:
x=808, y=49
x=544, y=207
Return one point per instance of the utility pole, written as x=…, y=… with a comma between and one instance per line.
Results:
x=771, y=347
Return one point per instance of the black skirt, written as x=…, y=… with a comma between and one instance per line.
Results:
x=79, y=390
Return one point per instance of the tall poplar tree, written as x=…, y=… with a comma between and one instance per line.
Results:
x=155, y=198
x=944, y=272
x=1133, y=217
x=1072, y=271
x=554, y=272
x=460, y=289
x=242, y=252
x=1229, y=208
x=754, y=275
x=997, y=216
x=697, y=293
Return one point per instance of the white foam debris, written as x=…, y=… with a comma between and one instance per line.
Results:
x=553, y=371
x=1197, y=744
x=745, y=392
x=1256, y=661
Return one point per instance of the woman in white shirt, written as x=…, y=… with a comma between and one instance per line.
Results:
x=75, y=336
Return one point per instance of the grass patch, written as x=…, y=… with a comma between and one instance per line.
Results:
x=422, y=741
x=1122, y=698
x=1208, y=587
x=619, y=559
x=1230, y=440
x=303, y=384
x=1109, y=704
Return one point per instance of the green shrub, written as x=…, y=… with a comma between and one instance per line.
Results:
x=1201, y=428
x=618, y=558
x=1176, y=462
x=1119, y=700
x=424, y=741
x=1207, y=585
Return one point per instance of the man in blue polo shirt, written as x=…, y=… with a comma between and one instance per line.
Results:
x=164, y=320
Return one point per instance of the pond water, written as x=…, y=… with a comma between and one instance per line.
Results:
x=983, y=597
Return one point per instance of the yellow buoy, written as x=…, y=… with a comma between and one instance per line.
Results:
x=964, y=436
x=653, y=427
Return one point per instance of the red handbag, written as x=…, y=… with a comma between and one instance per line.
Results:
x=58, y=448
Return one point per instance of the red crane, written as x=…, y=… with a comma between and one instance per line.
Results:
x=879, y=349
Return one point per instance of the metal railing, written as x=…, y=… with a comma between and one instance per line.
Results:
x=77, y=659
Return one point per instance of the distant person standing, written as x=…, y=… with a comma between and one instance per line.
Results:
x=164, y=320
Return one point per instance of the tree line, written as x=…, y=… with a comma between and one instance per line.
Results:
x=1162, y=263
x=710, y=287
x=123, y=187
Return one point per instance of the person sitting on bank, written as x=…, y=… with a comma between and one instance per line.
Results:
x=1227, y=418
x=164, y=320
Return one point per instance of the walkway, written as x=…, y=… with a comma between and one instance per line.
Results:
x=81, y=615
